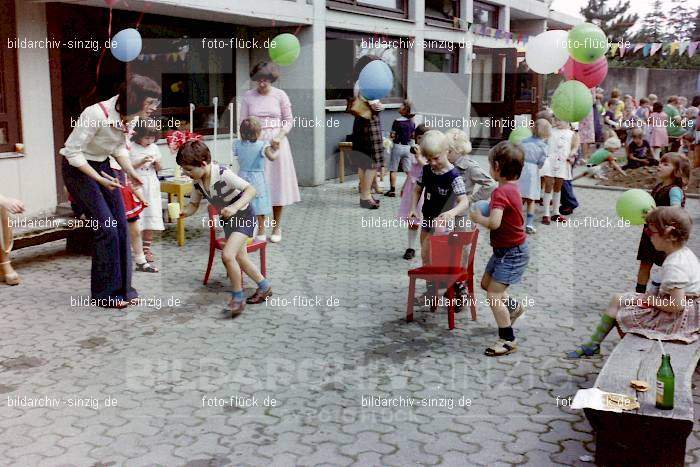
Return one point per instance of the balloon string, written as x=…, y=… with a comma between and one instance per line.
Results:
x=109, y=28
x=297, y=30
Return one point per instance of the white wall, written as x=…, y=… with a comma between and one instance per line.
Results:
x=32, y=178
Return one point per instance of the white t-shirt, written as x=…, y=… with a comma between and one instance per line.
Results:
x=681, y=270
x=223, y=188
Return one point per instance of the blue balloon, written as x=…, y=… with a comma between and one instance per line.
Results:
x=376, y=80
x=483, y=206
x=126, y=45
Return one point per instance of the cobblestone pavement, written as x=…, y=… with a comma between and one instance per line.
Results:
x=168, y=383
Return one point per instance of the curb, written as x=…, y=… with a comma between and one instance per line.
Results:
x=620, y=188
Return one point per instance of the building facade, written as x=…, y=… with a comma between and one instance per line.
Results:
x=460, y=61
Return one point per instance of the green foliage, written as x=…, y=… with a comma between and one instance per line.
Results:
x=613, y=20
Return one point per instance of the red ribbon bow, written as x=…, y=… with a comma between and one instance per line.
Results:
x=177, y=138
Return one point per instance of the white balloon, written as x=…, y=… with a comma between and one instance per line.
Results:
x=547, y=52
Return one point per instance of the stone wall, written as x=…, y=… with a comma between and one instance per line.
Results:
x=642, y=81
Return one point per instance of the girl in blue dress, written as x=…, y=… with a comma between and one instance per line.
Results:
x=251, y=153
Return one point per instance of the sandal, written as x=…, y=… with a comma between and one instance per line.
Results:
x=259, y=296
x=146, y=267
x=500, y=348
x=149, y=255
x=236, y=307
x=583, y=351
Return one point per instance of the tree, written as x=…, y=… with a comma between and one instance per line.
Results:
x=696, y=31
x=654, y=25
x=613, y=20
x=681, y=21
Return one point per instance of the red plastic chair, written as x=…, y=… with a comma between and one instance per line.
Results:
x=218, y=244
x=446, y=266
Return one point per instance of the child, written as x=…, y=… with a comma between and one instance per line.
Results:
x=441, y=184
x=673, y=173
x=145, y=158
x=509, y=241
x=658, y=121
x=639, y=152
x=535, y=150
x=674, y=313
x=412, y=176
x=231, y=195
x=604, y=154
x=251, y=153
x=477, y=183
x=401, y=133
x=562, y=146
x=134, y=204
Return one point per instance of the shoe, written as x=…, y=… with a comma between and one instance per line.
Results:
x=545, y=220
x=517, y=313
x=146, y=267
x=367, y=204
x=460, y=292
x=391, y=193
x=409, y=254
x=11, y=278
x=559, y=218
x=260, y=238
x=236, y=307
x=583, y=351
x=566, y=211
x=259, y=296
x=500, y=348
x=530, y=229
x=276, y=238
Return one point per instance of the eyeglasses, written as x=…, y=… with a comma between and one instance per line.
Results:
x=153, y=103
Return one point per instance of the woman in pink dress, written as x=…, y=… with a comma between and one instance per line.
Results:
x=274, y=110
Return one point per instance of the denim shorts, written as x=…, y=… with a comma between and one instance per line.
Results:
x=507, y=265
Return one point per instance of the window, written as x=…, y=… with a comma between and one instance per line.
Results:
x=441, y=60
x=486, y=14
x=392, y=8
x=9, y=101
x=190, y=72
x=442, y=13
x=342, y=52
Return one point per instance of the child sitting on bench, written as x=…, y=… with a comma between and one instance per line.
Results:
x=672, y=314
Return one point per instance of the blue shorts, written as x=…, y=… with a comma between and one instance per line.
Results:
x=507, y=265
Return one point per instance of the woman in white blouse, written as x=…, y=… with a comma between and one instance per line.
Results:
x=103, y=131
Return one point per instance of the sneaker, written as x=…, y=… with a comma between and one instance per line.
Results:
x=409, y=254
x=391, y=193
x=545, y=220
x=583, y=351
x=530, y=229
x=559, y=218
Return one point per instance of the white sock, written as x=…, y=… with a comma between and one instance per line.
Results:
x=545, y=202
x=140, y=259
x=557, y=201
x=412, y=238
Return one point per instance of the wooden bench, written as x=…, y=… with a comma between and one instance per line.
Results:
x=646, y=436
x=77, y=234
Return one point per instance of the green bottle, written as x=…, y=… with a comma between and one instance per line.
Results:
x=665, y=383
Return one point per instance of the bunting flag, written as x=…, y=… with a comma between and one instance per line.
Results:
x=482, y=30
x=692, y=47
x=181, y=56
x=613, y=49
x=651, y=48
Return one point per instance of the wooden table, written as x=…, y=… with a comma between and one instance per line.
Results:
x=178, y=188
x=343, y=146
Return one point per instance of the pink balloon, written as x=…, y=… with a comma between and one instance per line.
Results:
x=590, y=74
x=111, y=3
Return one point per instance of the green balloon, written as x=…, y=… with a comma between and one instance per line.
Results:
x=600, y=156
x=572, y=101
x=634, y=205
x=284, y=49
x=587, y=43
x=519, y=134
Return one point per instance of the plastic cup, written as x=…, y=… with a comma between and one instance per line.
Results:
x=174, y=210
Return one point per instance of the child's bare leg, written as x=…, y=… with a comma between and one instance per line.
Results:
x=548, y=188
x=248, y=266
x=485, y=281
x=425, y=247
x=643, y=276
x=392, y=180
x=496, y=294
x=136, y=243
x=228, y=257
x=556, y=196
x=261, y=226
